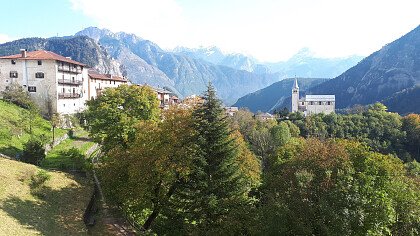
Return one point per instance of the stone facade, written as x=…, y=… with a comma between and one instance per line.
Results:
x=54, y=82
x=312, y=104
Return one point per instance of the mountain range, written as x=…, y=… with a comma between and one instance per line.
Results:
x=302, y=64
x=182, y=71
x=390, y=75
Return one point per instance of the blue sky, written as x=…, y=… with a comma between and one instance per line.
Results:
x=40, y=18
x=270, y=30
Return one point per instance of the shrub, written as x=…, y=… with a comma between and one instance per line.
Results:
x=33, y=152
x=38, y=183
x=17, y=95
x=78, y=159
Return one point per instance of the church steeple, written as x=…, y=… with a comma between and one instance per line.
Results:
x=295, y=96
x=295, y=85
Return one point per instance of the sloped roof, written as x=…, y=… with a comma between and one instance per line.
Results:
x=320, y=98
x=96, y=75
x=42, y=55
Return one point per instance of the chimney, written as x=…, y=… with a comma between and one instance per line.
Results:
x=68, y=58
x=23, y=53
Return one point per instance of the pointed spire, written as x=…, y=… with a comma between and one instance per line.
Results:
x=295, y=85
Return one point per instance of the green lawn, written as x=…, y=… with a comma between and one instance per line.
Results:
x=57, y=211
x=14, y=128
x=57, y=158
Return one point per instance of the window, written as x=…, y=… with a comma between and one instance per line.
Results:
x=13, y=62
x=39, y=75
x=328, y=103
x=7, y=81
x=32, y=89
x=319, y=103
x=39, y=62
x=114, y=82
x=312, y=103
x=74, y=104
x=7, y=87
x=303, y=103
x=13, y=74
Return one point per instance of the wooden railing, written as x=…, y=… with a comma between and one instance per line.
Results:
x=68, y=95
x=69, y=81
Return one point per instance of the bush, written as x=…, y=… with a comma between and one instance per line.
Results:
x=17, y=95
x=33, y=152
x=38, y=183
x=40, y=178
x=78, y=159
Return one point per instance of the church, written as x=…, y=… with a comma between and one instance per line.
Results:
x=312, y=104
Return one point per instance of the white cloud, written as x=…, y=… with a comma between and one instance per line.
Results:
x=270, y=30
x=5, y=38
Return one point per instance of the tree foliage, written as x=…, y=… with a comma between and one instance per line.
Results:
x=33, y=152
x=337, y=188
x=112, y=116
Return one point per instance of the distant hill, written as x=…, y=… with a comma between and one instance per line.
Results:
x=276, y=95
x=405, y=101
x=389, y=75
x=145, y=62
x=82, y=49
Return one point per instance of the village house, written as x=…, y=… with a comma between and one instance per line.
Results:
x=264, y=116
x=230, y=111
x=98, y=82
x=57, y=84
x=312, y=104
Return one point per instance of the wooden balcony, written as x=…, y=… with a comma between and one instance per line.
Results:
x=70, y=81
x=68, y=95
x=70, y=69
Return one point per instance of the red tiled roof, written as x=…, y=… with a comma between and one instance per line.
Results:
x=96, y=75
x=42, y=55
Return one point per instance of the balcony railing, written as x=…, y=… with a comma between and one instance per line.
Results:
x=70, y=81
x=68, y=95
x=70, y=69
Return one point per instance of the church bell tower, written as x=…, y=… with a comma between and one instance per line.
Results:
x=295, y=96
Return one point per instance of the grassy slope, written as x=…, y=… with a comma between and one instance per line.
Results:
x=58, y=212
x=55, y=158
x=14, y=128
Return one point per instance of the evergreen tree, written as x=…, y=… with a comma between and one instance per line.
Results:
x=218, y=188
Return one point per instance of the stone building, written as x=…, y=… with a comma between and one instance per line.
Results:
x=98, y=82
x=57, y=84
x=312, y=104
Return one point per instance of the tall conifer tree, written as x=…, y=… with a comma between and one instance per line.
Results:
x=218, y=187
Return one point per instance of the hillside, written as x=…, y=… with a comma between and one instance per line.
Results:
x=382, y=76
x=15, y=126
x=405, y=101
x=275, y=95
x=55, y=210
x=145, y=62
x=82, y=49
